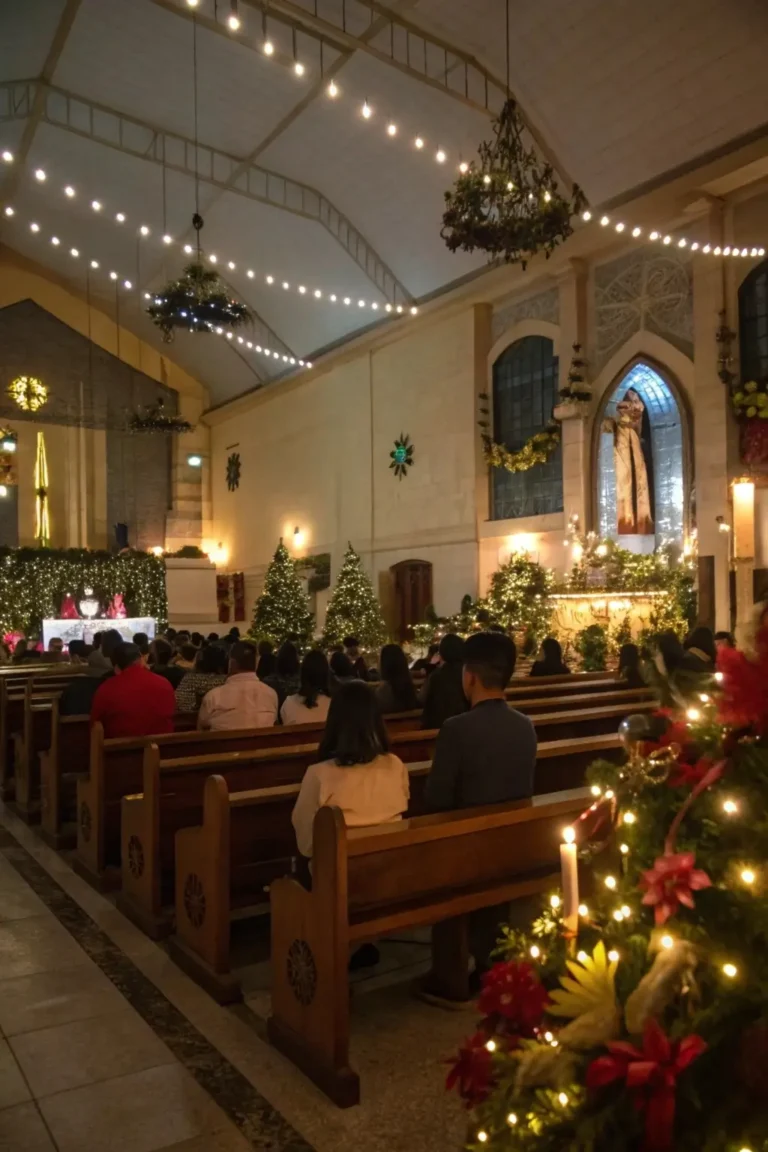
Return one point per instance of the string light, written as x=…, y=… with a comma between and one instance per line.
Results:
x=96, y=205
x=333, y=90
x=491, y=1046
x=562, y=1098
x=624, y=849
x=7, y=156
x=418, y=143
x=554, y=901
x=655, y=236
x=730, y=806
x=582, y=957
x=299, y=68
x=693, y=714
x=613, y=956
x=366, y=111
x=40, y=175
x=730, y=970
x=583, y=910
x=610, y=882
x=268, y=48
x=667, y=942
x=69, y=191
x=748, y=876
x=391, y=129
x=512, y=1120
x=596, y=790
x=482, y=1136
x=233, y=20
x=440, y=156
x=535, y=951
x=629, y=818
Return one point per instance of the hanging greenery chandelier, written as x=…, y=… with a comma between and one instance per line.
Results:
x=154, y=419
x=508, y=205
x=197, y=301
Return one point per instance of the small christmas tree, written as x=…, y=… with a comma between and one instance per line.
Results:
x=353, y=609
x=576, y=386
x=283, y=607
x=638, y=1020
x=519, y=597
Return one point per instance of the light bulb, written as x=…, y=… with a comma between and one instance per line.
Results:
x=730, y=806
x=596, y=790
x=554, y=901
x=391, y=129
x=582, y=957
x=667, y=942
x=113, y=275
x=213, y=258
x=535, y=951
x=40, y=175
x=332, y=298
x=629, y=818
x=617, y=915
x=491, y=1046
x=583, y=910
x=318, y=293
x=624, y=849
x=8, y=156
x=748, y=876
x=366, y=111
x=620, y=227
x=299, y=68
x=653, y=236
x=562, y=1098
x=547, y=197
x=144, y=230
x=233, y=22
x=192, y=3
x=94, y=263
x=9, y=211
x=636, y=232
x=69, y=191
x=55, y=241
x=418, y=143
x=463, y=167
x=730, y=970
x=414, y=310
x=586, y=216
x=605, y=221
x=613, y=956
x=667, y=239
x=440, y=156
x=333, y=90
x=610, y=882
x=512, y=1120
x=167, y=239
x=548, y=1037
x=74, y=252
x=127, y=284
x=361, y=303
x=482, y=1136
x=34, y=227
x=302, y=290
x=286, y=285
x=609, y=794
x=120, y=217
x=693, y=714
x=347, y=300
x=270, y=279
x=626, y=911
x=486, y=179
x=268, y=48
x=96, y=205
x=188, y=249
x=231, y=265
x=250, y=273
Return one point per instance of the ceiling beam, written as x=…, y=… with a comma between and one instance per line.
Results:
x=145, y=141
x=60, y=36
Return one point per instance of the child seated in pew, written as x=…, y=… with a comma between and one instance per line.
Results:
x=356, y=771
x=313, y=699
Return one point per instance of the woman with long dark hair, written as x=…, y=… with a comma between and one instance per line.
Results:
x=356, y=771
x=550, y=661
x=287, y=674
x=313, y=698
x=396, y=692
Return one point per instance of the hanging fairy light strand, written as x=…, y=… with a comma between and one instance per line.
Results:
x=268, y=279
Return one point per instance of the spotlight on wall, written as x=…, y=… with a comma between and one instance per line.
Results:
x=194, y=460
x=298, y=537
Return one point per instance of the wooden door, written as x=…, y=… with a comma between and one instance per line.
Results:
x=413, y=593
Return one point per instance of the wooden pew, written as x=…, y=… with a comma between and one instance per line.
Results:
x=370, y=882
x=43, y=684
x=61, y=764
x=256, y=824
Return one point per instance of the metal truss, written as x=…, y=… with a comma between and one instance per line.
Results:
x=135, y=137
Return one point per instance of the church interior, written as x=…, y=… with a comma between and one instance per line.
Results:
x=343, y=339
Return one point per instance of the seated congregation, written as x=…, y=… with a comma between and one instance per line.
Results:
x=212, y=780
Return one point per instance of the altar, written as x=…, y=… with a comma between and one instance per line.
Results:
x=83, y=629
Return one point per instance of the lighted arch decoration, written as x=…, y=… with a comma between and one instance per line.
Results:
x=666, y=467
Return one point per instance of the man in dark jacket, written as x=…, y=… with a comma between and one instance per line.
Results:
x=444, y=691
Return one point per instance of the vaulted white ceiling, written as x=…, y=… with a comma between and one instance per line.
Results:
x=298, y=186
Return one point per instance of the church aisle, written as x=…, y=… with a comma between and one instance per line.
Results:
x=105, y=1043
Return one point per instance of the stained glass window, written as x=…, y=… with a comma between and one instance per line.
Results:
x=753, y=325
x=524, y=393
x=667, y=457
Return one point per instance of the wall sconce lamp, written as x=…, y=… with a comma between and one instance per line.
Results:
x=298, y=537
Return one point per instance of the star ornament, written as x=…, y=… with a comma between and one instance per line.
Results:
x=401, y=456
x=672, y=882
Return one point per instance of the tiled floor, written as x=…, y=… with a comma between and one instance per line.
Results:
x=104, y=1044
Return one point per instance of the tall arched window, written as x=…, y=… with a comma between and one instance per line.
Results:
x=524, y=394
x=753, y=324
x=640, y=465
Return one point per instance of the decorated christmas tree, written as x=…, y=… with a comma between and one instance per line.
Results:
x=519, y=597
x=636, y=1020
x=283, y=607
x=353, y=609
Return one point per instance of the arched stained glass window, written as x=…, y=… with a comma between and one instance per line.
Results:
x=524, y=394
x=753, y=324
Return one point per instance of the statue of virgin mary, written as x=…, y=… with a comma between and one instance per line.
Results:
x=633, y=462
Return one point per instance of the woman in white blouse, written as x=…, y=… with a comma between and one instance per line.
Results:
x=357, y=773
x=310, y=704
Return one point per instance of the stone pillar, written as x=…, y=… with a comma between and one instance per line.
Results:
x=711, y=419
x=744, y=556
x=577, y=476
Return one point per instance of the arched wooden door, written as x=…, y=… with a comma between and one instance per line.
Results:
x=413, y=593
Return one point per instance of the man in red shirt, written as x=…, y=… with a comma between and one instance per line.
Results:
x=133, y=702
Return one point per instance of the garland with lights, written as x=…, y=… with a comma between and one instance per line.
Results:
x=509, y=205
x=353, y=609
x=283, y=608
x=537, y=449
x=638, y=1022
x=154, y=419
x=197, y=301
x=34, y=581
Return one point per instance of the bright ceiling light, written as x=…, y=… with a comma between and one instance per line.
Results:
x=250, y=273
x=7, y=156
x=40, y=175
x=127, y=284
x=366, y=111
x=268, y=48
x=113, y=275
x=144, y=230
x=233, y=20
x=391, y=129
x=231, y=265
x=332, y=90
x=34, y=227
x=55, y=241
x=69, y=191
x=167, y=239
x=418, y=143
x=299, y=68
x=120, y=217
x=188, y=249
x=270, y=279
x=96, y=205
x=192, y=3
x=74, y=252
x=9, y=211
x=94, y=263
x=463, y=167
x=440, y=156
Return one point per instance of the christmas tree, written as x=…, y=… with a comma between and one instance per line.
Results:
x=637, y=1021
x=519, y=597
x=353, y=609
x=283, y=607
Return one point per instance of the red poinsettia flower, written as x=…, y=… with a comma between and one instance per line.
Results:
x=689, y=775
x=651, y=1075
x=471, y=1073
x=744, y=700
x=672, y=882
x=513, y=999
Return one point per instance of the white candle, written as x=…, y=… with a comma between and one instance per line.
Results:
x=570, y=871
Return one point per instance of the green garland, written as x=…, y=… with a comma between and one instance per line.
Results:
x=536, y=450
x=33, y=582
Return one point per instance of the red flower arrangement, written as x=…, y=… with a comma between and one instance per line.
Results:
x=512, y=1000
x=472, y=1071
x=744, y=700
x=672, y=882
x=651, y=1076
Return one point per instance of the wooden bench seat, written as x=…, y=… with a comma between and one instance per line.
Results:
x=61, y=764
x=367, y=883
x=177, y=796
x=43, y=685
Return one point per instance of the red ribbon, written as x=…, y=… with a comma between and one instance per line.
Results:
x=711, y=777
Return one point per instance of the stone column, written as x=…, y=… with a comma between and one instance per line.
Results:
x=711, y=419
x=744, y=556
x=577, y=475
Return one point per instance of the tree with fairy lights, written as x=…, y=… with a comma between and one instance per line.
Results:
x=519, y=597
x=353, y=609
x=283, y=607
x=637, y=1021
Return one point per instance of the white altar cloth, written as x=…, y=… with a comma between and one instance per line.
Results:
x=84, y=629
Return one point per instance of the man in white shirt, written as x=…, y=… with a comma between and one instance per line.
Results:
x=243, y=701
